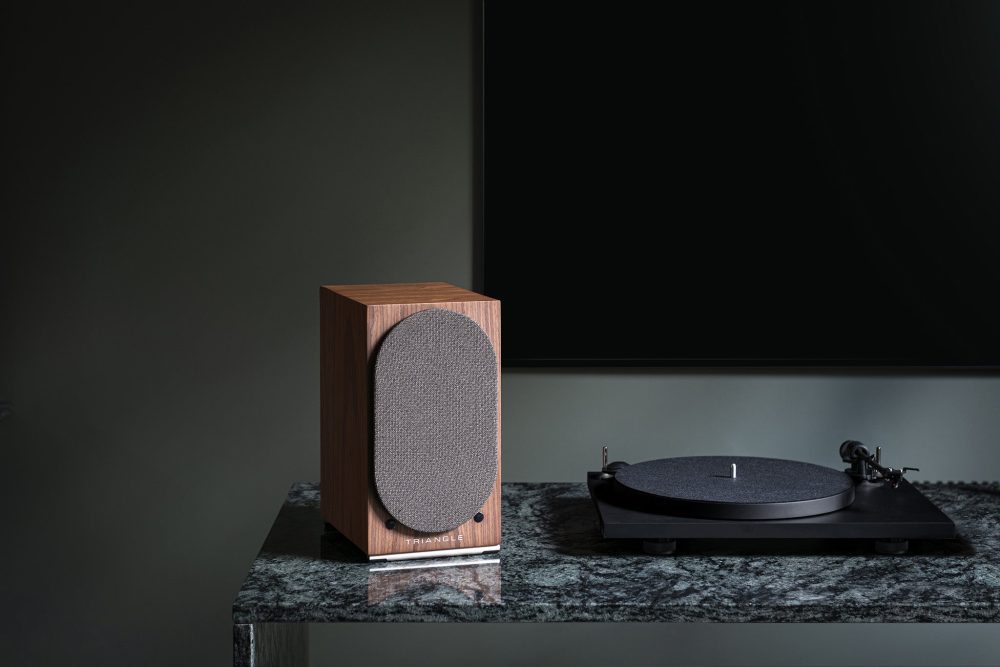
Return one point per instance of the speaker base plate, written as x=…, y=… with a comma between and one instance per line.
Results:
x=438, y=553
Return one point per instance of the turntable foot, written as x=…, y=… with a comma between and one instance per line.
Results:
x=659, y=547
x=892, y=547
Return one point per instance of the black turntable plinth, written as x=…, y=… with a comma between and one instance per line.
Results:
x=718, y=497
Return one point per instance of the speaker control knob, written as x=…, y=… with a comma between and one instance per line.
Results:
x=390, y=523
x=478, y=518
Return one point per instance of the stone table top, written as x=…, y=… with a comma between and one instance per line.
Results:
x=555, y=566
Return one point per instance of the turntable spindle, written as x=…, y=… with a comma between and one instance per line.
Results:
x=732, y=472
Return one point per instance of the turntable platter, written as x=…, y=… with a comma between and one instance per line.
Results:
x=762, y=488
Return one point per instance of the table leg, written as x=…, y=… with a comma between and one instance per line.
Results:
x=270, y=645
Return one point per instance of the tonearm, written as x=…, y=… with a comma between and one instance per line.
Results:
x=867, y=466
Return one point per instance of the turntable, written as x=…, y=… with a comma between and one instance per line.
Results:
x=741, y=497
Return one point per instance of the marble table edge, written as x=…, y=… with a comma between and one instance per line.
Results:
x=964, y=612
x=972, y=613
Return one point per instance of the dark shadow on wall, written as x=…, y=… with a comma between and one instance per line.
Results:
x=478, y=168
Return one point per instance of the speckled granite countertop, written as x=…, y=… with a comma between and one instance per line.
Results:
x=554, y=566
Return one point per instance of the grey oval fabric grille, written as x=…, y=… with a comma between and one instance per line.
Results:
x=435, y=420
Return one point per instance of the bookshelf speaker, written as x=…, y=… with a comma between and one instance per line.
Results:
x=410, y=418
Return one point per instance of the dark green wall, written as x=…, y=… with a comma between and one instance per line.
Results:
x=178, y=181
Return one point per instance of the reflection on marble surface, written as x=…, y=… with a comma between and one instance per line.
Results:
x=471, y=581
x=556, y=567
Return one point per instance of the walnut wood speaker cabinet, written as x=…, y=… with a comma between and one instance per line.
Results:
x=410, y=418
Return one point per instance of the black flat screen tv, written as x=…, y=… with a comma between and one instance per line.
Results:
x=732, y=183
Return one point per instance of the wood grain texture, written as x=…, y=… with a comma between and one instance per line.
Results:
x=354, y=320
x=344, y=416
x=406, y=293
